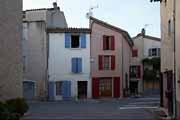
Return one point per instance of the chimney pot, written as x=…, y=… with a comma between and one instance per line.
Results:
x=55, y=5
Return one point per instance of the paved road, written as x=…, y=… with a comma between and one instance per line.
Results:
x=124, y=109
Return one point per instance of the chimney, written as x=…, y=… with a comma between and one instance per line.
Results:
x=143, y=32
x=55, y=6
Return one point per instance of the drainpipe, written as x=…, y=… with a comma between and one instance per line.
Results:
x=122, y=67
x=174, y=80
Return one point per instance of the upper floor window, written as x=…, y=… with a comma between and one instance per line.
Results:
x=108, y=42
x=107, y=62
x=154, y=52
x=169, y=27
x=75, y=40
x=135, y=53
x=135, y=71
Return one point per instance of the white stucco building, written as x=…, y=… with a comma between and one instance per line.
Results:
x=145, y=46
x=69, y=63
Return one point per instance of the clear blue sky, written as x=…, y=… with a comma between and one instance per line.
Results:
x=130, y=15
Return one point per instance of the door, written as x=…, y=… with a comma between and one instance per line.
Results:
x=134, y=87
x=169, y=91
x=28, y=90
x=105, y=87
x=82, y=89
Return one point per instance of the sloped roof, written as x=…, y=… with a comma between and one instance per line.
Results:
x=117, y=29
x=148, y=37
x=41, y=9
x=74, y=30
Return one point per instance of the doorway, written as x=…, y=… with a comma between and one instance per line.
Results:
x=105, y=87
x=28, y=90
x=134, y=87
x=82, y=89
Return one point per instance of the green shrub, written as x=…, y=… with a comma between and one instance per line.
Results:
x=17, y=105
x=5, y=114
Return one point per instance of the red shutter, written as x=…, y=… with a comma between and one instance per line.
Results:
x=95, y=88
x=112, y=43
x=134, y=52
x=104, y=42
x=100, y=62
x=113, y=62
x=116, y=87
x=139, y=71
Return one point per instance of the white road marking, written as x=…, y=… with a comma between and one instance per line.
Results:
x=126, y=108
x=140, y=103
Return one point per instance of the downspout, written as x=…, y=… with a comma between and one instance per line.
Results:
x=174, y=39
x=122, y=68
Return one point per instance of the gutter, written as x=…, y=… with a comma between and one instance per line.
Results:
x=174, y=80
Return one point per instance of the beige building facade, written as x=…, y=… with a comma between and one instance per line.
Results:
x=35, y=49
x=10, y=49
x=170, y=33
x=145, y=47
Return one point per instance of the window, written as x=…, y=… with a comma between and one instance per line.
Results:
x=76, y=65
x=134, y=53
x=135, y=71
x=59, y=88
x=154, y=52
x=106, y=62
x=169, y=27
x=108, y=42
x=75, y=41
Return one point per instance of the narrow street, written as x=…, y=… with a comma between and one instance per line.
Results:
x=126, y=109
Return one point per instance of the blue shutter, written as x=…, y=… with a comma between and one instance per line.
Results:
x=67, y=40
x=74, y=65
x=83, y=40
x=79, y=65
x=51, y=90
x=66, y=90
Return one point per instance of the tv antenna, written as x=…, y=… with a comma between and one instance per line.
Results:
x=90, y=13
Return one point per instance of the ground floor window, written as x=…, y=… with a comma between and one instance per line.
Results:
x=59, y=88
x=105, y=87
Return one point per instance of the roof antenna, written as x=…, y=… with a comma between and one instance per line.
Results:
x=90, y=13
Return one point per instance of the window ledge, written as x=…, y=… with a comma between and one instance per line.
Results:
x=76, y=48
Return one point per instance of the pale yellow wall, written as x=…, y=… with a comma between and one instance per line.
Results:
x=178, y=48
x=167, y=42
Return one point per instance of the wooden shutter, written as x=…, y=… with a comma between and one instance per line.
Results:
x=100, y=62
x=139, y=71
x=51, y=90
x=134, y=52
x=116, y=87
x=95, y=88
x=113, y=63
x=79, y=65
x=74, y=66
x=83, y=40
x=67, y=40
x=66, y=90
x=104, y=42
x=112, y=43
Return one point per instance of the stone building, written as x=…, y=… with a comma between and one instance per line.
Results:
x=35, y=49
x=10, y=49
x=170, y=56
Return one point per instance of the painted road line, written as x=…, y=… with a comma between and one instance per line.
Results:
x=128, y=108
